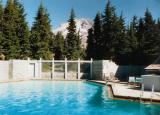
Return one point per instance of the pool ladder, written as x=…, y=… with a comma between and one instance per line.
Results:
x=152, y=94
x=141, y=94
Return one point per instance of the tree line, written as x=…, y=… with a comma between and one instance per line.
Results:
x=109, y=38
x=18, y=41
x=135, y=44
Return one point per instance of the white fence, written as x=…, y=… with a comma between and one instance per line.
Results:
x=108, y=70
x=55, y=69
x=4, y=70
x=66, y=69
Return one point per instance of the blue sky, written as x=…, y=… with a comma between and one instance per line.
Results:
x=59, y=9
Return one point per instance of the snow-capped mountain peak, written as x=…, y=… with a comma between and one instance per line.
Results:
x=82, y=25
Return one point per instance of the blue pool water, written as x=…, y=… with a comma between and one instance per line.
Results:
x=65, y=98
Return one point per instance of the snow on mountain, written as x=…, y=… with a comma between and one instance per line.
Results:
x=82, y=25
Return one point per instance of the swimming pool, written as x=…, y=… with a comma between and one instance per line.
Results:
x=65, y=98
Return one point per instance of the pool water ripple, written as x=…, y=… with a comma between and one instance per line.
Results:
x=65, y=98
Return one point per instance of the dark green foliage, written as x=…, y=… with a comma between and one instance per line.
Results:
x=109, y=32
x=121, y=44
x=15, y=31
x=11, y=41
x=141, y=40
x=41, y=35
x=73, y=42
x=22, y=31
x=1, y=28
x=158, y=33
x=109, y=38
x=97, y=36
x=136, y=44
x=150, y=46
x=133, y=42
x=90, y=47
x=94, y=39
x=59, y=46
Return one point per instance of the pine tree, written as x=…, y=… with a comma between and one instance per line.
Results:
x=41, y=34
x=59, y=46
x=120, y=44
x=22, y=31
x=81, y=51
x=10, y=42
x=97, y=36
x=109, y=29
x=73, y=46
x=158, y=33
x=132, y=42
x=1, y=28
x=150, y=46
x=90, y=44
x=141, y=42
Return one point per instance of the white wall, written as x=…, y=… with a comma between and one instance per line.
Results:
x=104, y=69
x=109, y=69
x=20, y=69
x=4, y=70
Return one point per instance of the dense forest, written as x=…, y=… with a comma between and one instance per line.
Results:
x=109, y=38
x=17, y=41
x=135, y=44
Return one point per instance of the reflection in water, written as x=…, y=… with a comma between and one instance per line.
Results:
x=65, y=98
x=97, y=100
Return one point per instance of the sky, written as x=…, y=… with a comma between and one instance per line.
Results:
x=59, y=10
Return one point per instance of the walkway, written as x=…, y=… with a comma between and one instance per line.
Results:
x=126, y=91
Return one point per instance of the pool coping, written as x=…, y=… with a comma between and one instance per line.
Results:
x=97, y=81
x=120, y=97
x=135, y=99
x=39, y=79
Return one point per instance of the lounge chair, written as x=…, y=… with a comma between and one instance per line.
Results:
x=138, y=80
x=132, y=79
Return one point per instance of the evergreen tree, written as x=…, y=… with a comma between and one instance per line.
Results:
x=158, y=34
x=59, y=46
x=73, y=46
x=22, y=31
x=97, y=36
x=109, y=30
x=141, y=42
x=90, y=44
x=1, y=28
x=150, y=44
x=132, y=43
x=81, y=51
x=41, y=34
x=121, y=42
x=11, y=42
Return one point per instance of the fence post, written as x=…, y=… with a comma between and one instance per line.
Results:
x=40, y=67
x=91, y=69
x=11, y=69
x=65, y=74
x=28, y=61
x=52, y=68
x=79, y=71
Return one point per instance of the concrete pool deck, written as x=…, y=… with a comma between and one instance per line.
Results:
x=98, y=81
x=130, y=92
x=121, y=90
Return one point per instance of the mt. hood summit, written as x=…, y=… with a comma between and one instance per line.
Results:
x=82, y=25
